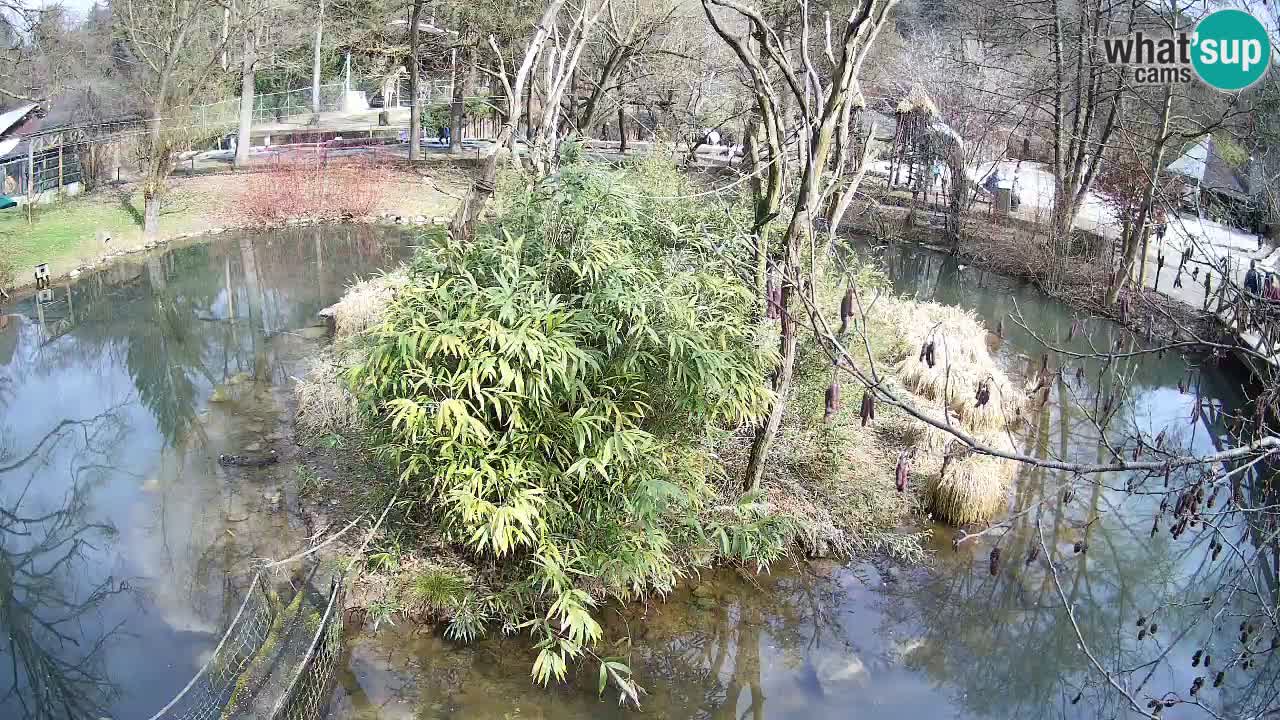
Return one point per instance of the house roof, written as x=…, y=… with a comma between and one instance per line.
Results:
x=14, y=118
x=1202, y=162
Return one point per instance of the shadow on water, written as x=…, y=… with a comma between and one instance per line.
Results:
x=124, y=546
x=821, y=640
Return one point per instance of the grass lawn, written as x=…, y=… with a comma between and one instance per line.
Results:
x=65, y=234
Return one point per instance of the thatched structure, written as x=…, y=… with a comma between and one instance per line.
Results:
x=960, y=487
x=921, y=140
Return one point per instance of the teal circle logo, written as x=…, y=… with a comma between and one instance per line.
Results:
x=1231, y=50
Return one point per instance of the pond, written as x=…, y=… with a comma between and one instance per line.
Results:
x=121, y=535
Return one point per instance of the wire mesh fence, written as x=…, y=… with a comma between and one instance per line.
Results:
x=269, y=107
x=308, y=694
x=43, y=170
x=212, y=687
x=276, y=660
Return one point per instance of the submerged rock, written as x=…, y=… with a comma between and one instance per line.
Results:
x=704, y=590
x=833, y=670
x=243, y=461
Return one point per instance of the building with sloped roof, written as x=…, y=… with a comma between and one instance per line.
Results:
x=39, y=155
x=1213, y=185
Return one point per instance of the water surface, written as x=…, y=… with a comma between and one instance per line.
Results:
x=123, y=544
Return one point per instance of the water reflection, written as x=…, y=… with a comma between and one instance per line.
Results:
x=50, y=667
x=117, y=394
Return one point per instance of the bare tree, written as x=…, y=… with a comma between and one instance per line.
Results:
x=513, y=83
x=176, y=44
x=825, y=103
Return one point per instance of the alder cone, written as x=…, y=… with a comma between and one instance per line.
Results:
x=846, y=309
x=995, y=561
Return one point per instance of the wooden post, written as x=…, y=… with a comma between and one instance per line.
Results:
x=31, y=177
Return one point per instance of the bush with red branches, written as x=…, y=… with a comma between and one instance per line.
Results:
x=312, y=189
x=1123, y=180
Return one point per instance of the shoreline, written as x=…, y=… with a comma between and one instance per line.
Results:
x=28, y=288
x=930, y=237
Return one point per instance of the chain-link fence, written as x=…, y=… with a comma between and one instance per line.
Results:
x=269, y=107
x=212, y=687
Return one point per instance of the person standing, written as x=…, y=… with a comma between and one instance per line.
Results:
x=1252, y=283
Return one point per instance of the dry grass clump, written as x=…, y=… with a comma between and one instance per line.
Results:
x=971, y=488
x=965, y=487
x=365, y=304
x=837, y=480
x=961, y=362
x=325, y=405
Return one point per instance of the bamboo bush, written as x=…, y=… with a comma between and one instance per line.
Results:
x=547, y=394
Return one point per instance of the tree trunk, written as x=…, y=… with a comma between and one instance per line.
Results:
x=315, y=63
x=463, y=227
x=246, y=96
x=590, y=110
x=226, y=31
x=622, y=128
x=415, y=106
x=150, y=211
x=1153, y=171
x=458, y=108
x=156, y=171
